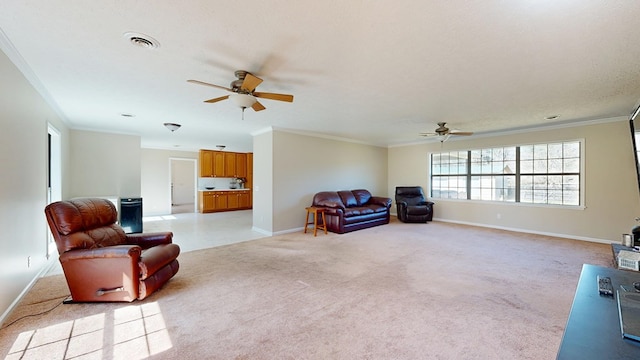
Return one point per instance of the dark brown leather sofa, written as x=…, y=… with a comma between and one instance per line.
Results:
x=100, y=262
x=350, y=210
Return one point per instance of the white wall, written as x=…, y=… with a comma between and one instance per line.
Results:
x=104, y=164
x=611, y=192
x=302, y=165
x=23, y=187
x=263, y=201
x=156, y=179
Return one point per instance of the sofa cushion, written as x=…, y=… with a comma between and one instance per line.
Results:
x=417, y=210
x=378, y=208
x=357, y=210
x=362, y=196
x=347, y=198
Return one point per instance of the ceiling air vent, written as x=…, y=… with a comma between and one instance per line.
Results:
x=141, y=40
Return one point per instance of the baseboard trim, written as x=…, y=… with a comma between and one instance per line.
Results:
x=43, y=271
x=528, y=231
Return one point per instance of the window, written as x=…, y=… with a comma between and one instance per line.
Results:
x=536, y=174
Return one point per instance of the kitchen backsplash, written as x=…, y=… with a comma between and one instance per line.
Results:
x=217, y=182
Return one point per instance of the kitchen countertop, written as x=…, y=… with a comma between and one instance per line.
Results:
x=216, y=189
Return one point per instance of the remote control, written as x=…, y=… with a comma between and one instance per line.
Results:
x=604, y=285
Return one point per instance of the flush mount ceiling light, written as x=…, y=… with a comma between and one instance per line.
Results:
x=172, y=126
x=220, y=147
x=141, y=40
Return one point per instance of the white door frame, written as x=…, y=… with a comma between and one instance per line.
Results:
x=54, y=173
x=195, y=180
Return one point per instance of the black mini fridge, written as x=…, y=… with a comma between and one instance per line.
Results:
x=131, y=215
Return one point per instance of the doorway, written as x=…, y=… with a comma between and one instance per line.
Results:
x=54, y=176
x=183, y=185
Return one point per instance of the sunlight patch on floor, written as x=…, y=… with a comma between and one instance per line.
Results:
x=138, y=331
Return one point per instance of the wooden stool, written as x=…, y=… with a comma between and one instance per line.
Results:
x=316, y=211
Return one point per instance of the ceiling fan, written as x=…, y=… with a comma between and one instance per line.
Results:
x=243, y=91
x=443, y=132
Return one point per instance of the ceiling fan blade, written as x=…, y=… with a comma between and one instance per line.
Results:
x=428, y=134
x=250, y=82
x=257, y=106
x=210, y=101
x=272, y=96
x=463, y=133
x=207, y=84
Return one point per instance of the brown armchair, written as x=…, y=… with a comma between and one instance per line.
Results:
x=100, y=262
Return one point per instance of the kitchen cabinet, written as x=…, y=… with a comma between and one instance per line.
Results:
x=235, y=165
x=222, y=164
x=230, y=164
x=206, y=163
x=222, y=202
x=241, y=165
x=211, y=163
x=232, y=201
x=244, y=199
x=226, y=200
x=218, y=164
x=206, y=201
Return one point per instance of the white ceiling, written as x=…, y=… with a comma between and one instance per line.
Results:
x=378, y=72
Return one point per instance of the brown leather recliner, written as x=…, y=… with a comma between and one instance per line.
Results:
x=100, y=262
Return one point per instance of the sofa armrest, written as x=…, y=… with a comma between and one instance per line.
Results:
x=335, y=211
x=328, y=204
x=149, y=240
x=379, y=200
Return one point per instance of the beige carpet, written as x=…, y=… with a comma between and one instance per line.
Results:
x=399, y=291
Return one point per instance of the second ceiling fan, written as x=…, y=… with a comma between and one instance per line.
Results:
x=243, y=91
x=443, y=132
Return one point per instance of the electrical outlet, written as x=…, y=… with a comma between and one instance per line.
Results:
x=28, y=261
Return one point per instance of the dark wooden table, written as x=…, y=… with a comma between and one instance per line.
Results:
x=593, y=328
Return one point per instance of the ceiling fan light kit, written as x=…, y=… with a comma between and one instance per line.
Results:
x=243, y=94
x=243, y=100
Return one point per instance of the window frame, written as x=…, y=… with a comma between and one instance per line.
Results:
x=468, y=175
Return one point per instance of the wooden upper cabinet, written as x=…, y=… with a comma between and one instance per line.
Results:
x=219, y=164
x=230, y=164
x=206, y=163
x=241, y=165
x=223, y=164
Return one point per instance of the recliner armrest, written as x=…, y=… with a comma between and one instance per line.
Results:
x=117, y=251
x=149, y=240
x=426, y=203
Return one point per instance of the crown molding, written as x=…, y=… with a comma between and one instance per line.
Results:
x=18, y=61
